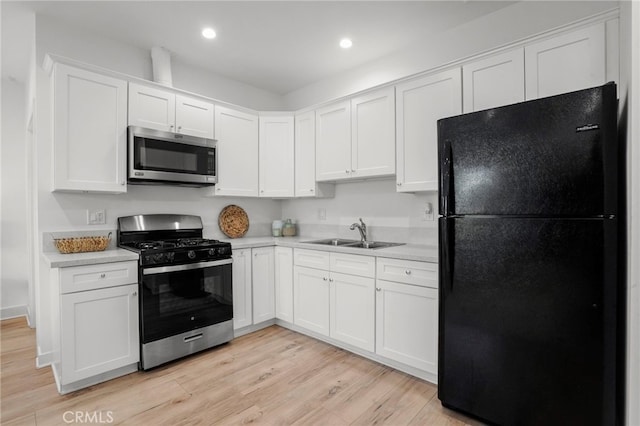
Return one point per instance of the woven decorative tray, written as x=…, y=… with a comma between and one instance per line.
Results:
x=233, y=221
x=82, y=244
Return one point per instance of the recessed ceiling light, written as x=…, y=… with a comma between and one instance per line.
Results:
x=208, y=33
x=346, y=43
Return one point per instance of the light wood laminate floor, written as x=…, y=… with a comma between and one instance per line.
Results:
x=274, y=376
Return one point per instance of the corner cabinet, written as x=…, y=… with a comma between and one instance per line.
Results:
x=356, y=138
x=420, y=104
x=237, y=135
x=305, y=159
x=156, y=108
x=276, y=153
x=95, y=323
x=89, y=131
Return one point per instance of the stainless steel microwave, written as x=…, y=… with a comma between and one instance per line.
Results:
x=155, y=156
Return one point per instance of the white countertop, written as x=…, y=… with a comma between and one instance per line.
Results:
x=417, y=252
x=59, y=260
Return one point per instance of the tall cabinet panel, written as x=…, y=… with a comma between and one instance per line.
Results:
x=373, y=134
x=90, y=131
x=242, y=306
x=494, y=81
x=276, y=156
x=333, y=141
x=237, y=135
x=284, y=283
x=262, y=268
x=420, y=104
x=565, y=63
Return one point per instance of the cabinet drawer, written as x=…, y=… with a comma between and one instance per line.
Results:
x=407, y=271
x=91, y=277
x=311, y=258
x=353, y=264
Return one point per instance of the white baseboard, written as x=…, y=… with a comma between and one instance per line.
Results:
x=44, y=359
x=13, y=312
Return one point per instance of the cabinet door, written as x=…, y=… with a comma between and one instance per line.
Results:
x=151, y=108
x=276, y=156
x=333, y=142
x=407, y=324
x=242, y=307
x=311, y=299
x=99, y=331
x=194, y=117
x=237, y=135
x=305, y=155
x=494, y=81
x=263, y=277
x=419, y=105
x=90, y=131
x=284, y=283
x=566, y=63
x=373, y=139
x=353, y=310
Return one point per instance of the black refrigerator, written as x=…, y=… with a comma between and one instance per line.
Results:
x=530, y=261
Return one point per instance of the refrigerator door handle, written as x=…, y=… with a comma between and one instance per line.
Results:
x=446, y=182
x=446, y=242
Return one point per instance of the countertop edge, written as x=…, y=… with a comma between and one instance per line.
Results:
x=59, y=260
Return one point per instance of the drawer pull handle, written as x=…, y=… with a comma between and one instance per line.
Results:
x=408, y=272
x=103, y=275
x=192, y=338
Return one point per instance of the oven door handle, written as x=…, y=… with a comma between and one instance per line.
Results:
x=186, y=267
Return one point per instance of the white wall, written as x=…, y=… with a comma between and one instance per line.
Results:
x=67, y=211
x=15, y=260
x=505, y=26
x=389, y=216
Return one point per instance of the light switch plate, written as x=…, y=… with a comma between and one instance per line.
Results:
x=96, y=217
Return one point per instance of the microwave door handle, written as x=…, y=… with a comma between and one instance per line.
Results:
x=186, y=267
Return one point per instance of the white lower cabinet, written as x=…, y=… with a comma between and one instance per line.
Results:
x=262, y=273
x=407, y=313
x=95, y=330
x=283, y=262
x=242, y=307
x=334, y=304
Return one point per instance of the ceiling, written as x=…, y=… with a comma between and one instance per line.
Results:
x=276, y=46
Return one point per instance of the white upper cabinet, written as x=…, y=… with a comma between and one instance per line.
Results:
x=494, y=81
x=89, y=131
x=333, y=141
x=194, y=117
x=420, y=104
x=237, y=149
x=355, y=138
x=373, y=144
x=159, y=109
x=276, y=156
x=566, y=63
x=305, y=159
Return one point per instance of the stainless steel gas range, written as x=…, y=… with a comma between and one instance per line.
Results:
x=186, y=302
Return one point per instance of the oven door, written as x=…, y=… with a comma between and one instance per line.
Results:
x=179, y=298
x=160, y=156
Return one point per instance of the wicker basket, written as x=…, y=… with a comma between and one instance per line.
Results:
x=82, y=244
x=233, y=221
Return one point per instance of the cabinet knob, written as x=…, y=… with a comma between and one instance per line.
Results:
x=330, y=280
x=103, y=275
x=408, y=272
x=262, y=191
x=122, y=183
x=353, y=170
x=378, y=289
x=324, y=278
x=171, y=126
x=399, y=184
x=134, y=294
x=311, y=190
x=179, y=127
x=346, y=171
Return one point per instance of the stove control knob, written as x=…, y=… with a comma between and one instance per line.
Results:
x=191, y=254
x=212, y=252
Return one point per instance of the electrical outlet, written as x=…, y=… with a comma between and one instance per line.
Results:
x=427, y=212
x=96, y=217
x=322, y=214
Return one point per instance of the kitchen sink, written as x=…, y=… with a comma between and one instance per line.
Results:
x=333, y=242
x=354, y=243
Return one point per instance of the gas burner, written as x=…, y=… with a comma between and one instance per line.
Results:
x=194, y=242
x=149, y=245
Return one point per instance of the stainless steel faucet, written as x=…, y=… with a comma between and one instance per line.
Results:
x=362, y=228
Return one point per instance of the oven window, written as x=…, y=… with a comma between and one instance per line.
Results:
x=179, y=301
x=164, y=156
